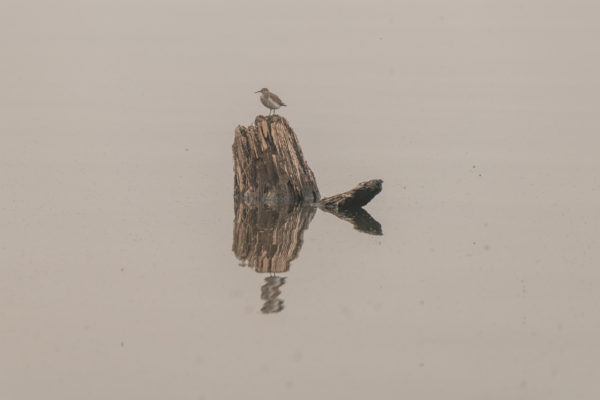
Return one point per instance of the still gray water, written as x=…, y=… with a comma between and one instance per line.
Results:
x=126, y=272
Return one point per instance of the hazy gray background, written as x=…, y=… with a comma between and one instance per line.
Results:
x=117, y=279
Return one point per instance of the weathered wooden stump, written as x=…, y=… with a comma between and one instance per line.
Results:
x=269, y=165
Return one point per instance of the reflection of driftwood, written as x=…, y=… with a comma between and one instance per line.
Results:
x=269, y=165
x=360, y=218
x=270, y=292
x=269, y=237
x=354, y=198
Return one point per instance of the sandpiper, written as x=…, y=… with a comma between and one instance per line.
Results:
x=270, y=100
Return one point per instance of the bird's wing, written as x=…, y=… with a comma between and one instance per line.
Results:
x=277, y=100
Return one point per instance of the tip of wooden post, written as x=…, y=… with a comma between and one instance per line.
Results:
x=269, y=118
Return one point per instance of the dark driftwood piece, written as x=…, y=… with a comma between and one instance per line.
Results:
x=269, y=237
x=354, y=198
x=269, y=165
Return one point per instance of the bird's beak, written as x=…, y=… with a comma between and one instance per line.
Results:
x=257, y=92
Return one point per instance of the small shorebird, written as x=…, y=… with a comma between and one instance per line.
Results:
x=270, y=100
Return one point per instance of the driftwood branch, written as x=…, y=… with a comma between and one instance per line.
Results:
x=354, y=198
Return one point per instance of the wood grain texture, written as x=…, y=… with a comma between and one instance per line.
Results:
x=269, y=164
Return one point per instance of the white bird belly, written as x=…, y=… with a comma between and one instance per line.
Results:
x=267, y=102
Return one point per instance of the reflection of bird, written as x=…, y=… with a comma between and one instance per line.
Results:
x=270, y=100
x=269, y=292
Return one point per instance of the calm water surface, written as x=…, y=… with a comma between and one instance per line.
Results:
x=125, y=273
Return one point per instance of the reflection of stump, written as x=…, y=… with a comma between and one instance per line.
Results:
x=269, y=237
x=270, y=292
